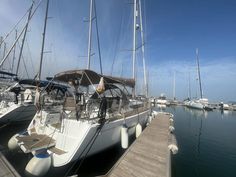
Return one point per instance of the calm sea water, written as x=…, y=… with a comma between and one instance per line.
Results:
x=207, y=143
x=206, y=140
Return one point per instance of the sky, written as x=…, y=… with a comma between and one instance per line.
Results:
x=172, y=29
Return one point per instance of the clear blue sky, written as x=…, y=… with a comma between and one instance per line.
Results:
x=173, y=30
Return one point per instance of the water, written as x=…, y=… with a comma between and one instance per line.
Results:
x=206, y=140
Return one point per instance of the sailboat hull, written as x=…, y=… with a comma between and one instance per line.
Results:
x=92, y=140
x=195, y=105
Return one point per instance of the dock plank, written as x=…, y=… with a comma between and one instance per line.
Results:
x=6, y=169
x=148, y=155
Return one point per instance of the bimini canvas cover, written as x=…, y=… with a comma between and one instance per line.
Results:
x=88, y=77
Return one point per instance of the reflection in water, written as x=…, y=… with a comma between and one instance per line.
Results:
x=199, y=137
x=196, y=112
x=206, y=141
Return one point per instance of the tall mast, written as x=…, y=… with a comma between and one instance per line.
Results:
x=199, y=76
x=23, y=40
x=42, y=49
x=134, y=43
x=90, y=33
x=4, y=53
x=189, y=86
x=4, y=49
x=143, y=54
x=99, y=51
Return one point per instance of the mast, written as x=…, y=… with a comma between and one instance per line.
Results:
x=189, y=86
x=4, y=53
x=23, y=40
x=4, y=49
x=42, y=49
x=143, y=54
x=90, y=33
x=8, y=53
x=199, y=76
x=99, y=51
x=134, y=44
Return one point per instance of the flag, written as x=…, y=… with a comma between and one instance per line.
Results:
x=101, y=86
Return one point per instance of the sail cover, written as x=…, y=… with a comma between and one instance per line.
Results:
x=88, y=77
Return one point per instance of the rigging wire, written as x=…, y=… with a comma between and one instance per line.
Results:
x=14, y=27
x=24, y=62
x=6, y=56
x=30, y=56
x=117, y=45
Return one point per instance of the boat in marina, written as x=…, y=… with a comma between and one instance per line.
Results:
x=16, y=95
x=201, y=103
x=17, y=104
x=85, y=124
x=161, y=100
x=96, y=112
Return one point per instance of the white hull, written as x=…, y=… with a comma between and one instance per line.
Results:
x=110, y=134
x=195, y=105
x=76, y=136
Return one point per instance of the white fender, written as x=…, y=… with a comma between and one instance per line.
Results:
x=12, y=143
x=171, y=129
x=39, y=164
x=124, y=137
x=173, y=148
x=150, y=119
x=138, y=130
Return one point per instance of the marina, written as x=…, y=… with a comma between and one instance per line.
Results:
x=196, y=133
x=117, y=88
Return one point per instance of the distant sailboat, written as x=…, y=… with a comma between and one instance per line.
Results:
x=201, y=103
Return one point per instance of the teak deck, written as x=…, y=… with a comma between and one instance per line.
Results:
x=35, y=141
x=149, y=155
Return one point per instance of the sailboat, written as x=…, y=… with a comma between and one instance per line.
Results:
x=201, y=103
x=97, y=113
x=16, y=104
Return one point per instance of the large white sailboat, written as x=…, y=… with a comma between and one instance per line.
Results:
x=84, y=125
x=97, y=113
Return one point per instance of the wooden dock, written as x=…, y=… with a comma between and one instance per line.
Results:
x=6, y=169
x=149, y=155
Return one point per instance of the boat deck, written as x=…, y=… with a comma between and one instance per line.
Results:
x=149, y=155
x=6, y=169
x=35, y=141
